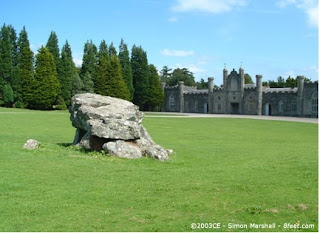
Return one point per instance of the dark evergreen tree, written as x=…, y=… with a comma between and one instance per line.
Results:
x=100, y=81
x=25, y=66
x=103, y=50
x=126, y=67
x=88, y=85
x=67, y=72
x=165, y=74
x=90, y=60
x=156, y=94
x=53, y=47
x=112, y=50
x=116, y=87
x=46, y=86
x=7, y=93
x=6, y=64
x=15, y=78
x=77, y=85
x=140, y=74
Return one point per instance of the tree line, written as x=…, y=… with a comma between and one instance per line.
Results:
x=171, y=78
x=50, y=78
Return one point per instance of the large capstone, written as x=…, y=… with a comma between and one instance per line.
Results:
x=113, y=125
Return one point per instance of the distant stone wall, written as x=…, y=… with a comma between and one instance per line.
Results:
x=240, y=98
x=171, y=103
x=250, y=101
x=219, y=101
x=310, y=100
x=279, y=103
x=196, y=102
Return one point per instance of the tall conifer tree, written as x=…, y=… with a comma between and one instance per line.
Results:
x=25, y=66
x=100, y=81
x=46, y=85
x=77, y=85
x=140, y=72
x=90, y=59
x=116, y=87
x=103, y=50
x=126, y=67
x=6, y=64
x=88, y=85
x=112, y=50
x=53, y=47
x=67, y=72
x=156, y=94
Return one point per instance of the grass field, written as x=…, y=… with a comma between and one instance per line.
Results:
x=224, y=171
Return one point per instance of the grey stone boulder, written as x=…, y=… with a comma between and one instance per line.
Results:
x=31, y=144
x=123, y=149
x=113, y=125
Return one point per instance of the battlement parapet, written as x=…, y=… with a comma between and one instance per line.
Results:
x=250, y=88
x=171, y=87
x=281, y=90
x=196, y=92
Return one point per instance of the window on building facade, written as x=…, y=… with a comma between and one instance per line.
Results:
x=315, y=105
x=219, y=107
x=294, y=106
x=172, y=102
x=251, y=107
x=196, y=105
x=281, y=106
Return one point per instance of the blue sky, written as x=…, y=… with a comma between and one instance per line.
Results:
x=269, y=37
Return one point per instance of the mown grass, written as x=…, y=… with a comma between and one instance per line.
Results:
x=223, y=170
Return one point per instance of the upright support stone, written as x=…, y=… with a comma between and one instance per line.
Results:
x=300, y=81
x=181, y=96
x=259, y=94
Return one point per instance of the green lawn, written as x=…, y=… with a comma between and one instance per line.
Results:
x=222, y=171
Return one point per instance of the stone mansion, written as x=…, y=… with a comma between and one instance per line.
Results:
x=236, y=97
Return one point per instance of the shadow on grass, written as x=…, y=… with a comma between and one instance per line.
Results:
x=63, y=144
x=74, y=147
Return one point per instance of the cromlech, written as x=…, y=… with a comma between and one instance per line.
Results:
x=236, y=97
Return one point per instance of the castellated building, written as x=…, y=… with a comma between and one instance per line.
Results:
x=236, y=97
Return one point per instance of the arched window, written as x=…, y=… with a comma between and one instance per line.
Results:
x=172, y=102
x=294, y=106
x=233, y=84
x=281, y=106
x=219, y=107
x=196, y=105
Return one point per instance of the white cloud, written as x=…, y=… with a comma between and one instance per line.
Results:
x=191, y=67
x=173, y=19
x=210, y=6
x=177, y=53
x=310, y=8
